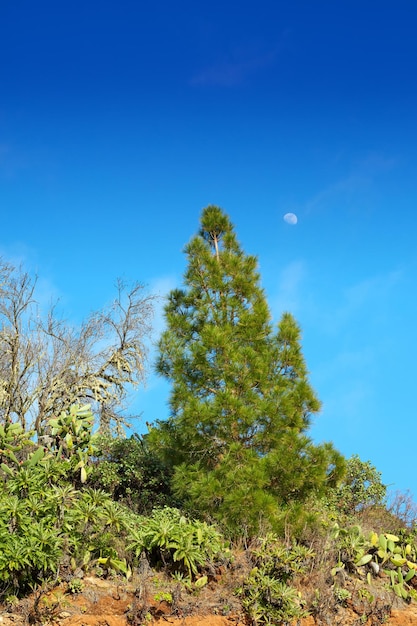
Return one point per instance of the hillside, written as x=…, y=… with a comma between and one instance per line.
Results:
x=116, y=602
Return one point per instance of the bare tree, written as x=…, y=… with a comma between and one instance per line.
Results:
x=46, y=364
x=404, y=507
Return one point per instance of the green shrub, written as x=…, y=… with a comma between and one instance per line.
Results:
x=267, y=595
x=45, y=522
x=361, y=487
x=131, y=473
x=177, y=542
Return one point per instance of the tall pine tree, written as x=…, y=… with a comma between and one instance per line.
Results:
x=241, y=402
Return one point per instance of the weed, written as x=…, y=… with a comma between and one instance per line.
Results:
x=75, y=585
x=266, y=593
x=163, y=596
x=341, y=595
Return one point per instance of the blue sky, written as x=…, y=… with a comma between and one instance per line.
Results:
x=120, y=121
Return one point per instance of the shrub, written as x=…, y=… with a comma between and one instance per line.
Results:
x=267, y=594
x=170, y=538
x=45, y=522
x=361, y=487
x=131, y=473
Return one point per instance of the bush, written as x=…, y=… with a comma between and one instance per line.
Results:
x=46, y=524
x=178, y=543
x=361, y=487
x=267, y=594
x=131, y=474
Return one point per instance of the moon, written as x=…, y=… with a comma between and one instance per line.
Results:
x=291, y=218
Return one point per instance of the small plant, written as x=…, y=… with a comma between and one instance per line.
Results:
x=163, y=596
x=201, y=582
x=182, y=580
x=226, y=609
x=75, y=585
x=266, y=594
x=365, y=594
x=341, y=595
x=47, y=605
x=176, y=541
x=268, y=600
x=99, y=571
x=11, y=601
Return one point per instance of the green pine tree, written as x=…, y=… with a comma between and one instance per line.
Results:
x=241, y=401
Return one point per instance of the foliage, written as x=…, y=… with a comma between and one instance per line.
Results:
x=71, y=442
x=361, y=487
x=45, y=522
x=46, y=365
x=241, y=402
x=172, y=539
x=17, y=448
x=75, y=585
x=267, y=594
x=52, y=523
x=72, y=437
x=233, y=493
x=395, y=555
x=131, y=473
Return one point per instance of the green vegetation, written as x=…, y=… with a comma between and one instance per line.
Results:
x=170, y=538
x=131, y=473
x=241, y=402
x=267, y=593
x=361, y=487
x=230, y=487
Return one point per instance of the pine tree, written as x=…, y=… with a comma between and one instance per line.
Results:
x=241, y=401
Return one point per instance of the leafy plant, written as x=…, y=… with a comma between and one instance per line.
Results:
x=171, y=538
x=73, y=437
x=341, y=595
x=75, y=585
x=266, y=593
x=396, y=556
x=45, y=522
x=163, y=596
x=360, y=488
x=131, y=473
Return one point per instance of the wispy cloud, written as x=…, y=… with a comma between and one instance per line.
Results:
x=368, y=294
x=345, y=189
x=234, y=71
x=345, y=365
x=288, y=289
x=352, y=190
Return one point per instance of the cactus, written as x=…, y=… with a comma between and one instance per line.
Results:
x=386, y=550
x=73, y=432
x=15, y=444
